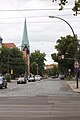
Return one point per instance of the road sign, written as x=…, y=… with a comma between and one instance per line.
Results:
x=11, y=72
x=76, y=66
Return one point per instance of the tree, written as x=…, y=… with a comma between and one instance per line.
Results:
x=11, y=58
x=66, y=46
x=17, y=62
x=37, y=60
x=52, y=72
x=3, y=60
x=76, y=7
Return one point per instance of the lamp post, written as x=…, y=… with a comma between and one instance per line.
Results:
x=65, y=22
x=37, y=68
x=74, y=35
x=8, y=61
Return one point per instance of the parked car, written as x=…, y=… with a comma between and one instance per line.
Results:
x=61, y=76
x=31, y=79
x=21, y=80
x=55, y=76
x=3, y=82
x=38, y=77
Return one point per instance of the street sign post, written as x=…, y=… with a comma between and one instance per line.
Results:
x=76, y=66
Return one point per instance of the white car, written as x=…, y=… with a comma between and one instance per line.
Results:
x=21, y=80
x=3, y=82
x=31, y=79
x=38, y=77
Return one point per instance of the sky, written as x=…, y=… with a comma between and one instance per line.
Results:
x=43, y=32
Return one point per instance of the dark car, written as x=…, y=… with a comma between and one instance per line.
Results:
x=3, y=82
x=21, y=80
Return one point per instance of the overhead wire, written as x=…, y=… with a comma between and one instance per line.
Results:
x=45, y=9
x=32, y=16
x=42, y=21
x=38, y=16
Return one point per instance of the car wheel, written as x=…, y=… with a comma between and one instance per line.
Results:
x=6, y=86
x=1, y=87
x=25, y=82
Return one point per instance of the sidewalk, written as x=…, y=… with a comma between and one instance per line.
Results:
x=73, y=85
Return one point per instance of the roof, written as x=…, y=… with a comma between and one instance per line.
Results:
x=8, y=45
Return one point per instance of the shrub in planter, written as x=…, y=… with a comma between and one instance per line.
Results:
x=69, y=78
x=8, y=77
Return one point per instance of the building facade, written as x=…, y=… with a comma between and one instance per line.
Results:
x=50, y=66
x=8, y=45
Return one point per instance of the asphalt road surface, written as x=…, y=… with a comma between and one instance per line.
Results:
x=50, y=99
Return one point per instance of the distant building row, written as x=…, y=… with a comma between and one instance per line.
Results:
x=50, y=66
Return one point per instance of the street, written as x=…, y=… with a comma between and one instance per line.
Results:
x=49, y=99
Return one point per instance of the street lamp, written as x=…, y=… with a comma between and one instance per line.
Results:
x=65, y=22
x=74, y=35
x=37, y=65
x=8, y=61
x=37, y=68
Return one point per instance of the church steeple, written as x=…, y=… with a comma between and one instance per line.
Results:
x=25, y=41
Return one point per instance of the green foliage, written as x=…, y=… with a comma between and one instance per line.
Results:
x=69, y=78
x=11, y=58
x=17, y=62
x=8, y=77
x=37, y=58
x=76, y=7
x=66, y=46
x=52, y=72
x=34, y=68
x=61, y=3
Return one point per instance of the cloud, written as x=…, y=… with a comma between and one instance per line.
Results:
x=43, y=32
